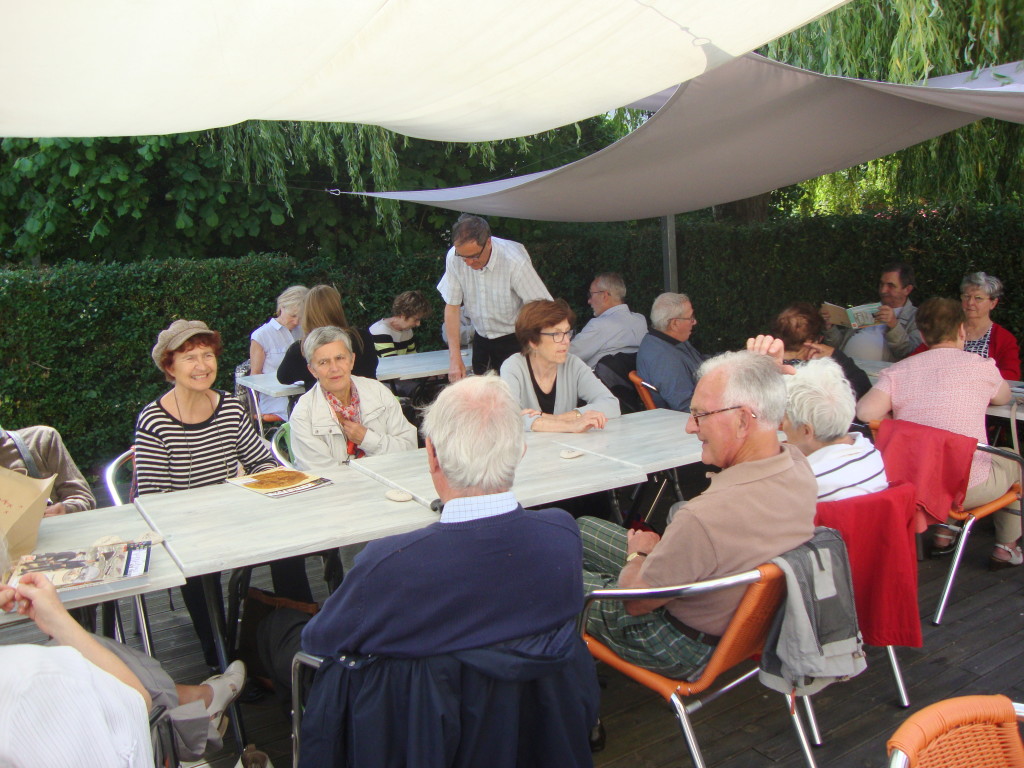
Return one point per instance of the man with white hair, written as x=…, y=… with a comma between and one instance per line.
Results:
x=614, y=328
x=431, y=591
x=760, y=505
x=666, y=359
x=818, y=417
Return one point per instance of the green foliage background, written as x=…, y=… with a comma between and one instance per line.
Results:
x=74, y=347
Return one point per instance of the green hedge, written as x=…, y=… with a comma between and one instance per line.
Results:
x=75, y=342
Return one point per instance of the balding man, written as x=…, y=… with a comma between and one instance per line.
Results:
x=760, y=505
x=666, y=359
x=493, y=278
x=614, y=328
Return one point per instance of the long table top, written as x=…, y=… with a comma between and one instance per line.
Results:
x=81, y=530
x=417, y=365
x=220, y=527
x=268, y=384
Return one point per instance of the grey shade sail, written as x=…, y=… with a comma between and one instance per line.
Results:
x=747, y=127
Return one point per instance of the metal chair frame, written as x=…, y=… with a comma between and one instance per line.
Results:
x=961, y=732
x=744, y=638
x=279, y=446
x=643, y=389
x=969, y=517
x=301, y=660
x=141, y=614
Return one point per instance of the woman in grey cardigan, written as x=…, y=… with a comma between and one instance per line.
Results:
x=549, y=382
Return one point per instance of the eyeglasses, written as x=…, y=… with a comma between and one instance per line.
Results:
x=559, y=336
x=689, y=319
x=592, y=294
x=698, y=415
x=476, y=255
x=978, y=299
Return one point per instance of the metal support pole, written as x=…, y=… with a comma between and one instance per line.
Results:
x=670, y=262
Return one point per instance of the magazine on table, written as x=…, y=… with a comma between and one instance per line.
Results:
x=103, y=562
x=860, y=316
x=279, y=482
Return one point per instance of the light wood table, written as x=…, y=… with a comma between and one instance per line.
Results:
x=418, y=365
x=80, y=530
x=653, y=441
x=268, y=384
x=541, y=478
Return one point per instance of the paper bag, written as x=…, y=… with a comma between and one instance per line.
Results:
x=22, y=501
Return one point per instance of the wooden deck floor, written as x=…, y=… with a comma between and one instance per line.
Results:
x=978, y=649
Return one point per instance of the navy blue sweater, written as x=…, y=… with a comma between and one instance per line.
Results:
x=455, y=586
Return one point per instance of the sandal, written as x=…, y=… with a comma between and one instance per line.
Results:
x=226, y=688
x=1015, y=557
x=943, y=543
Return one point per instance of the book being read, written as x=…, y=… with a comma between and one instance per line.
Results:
x=860, y=316
x=279, y=482
x=106, y=560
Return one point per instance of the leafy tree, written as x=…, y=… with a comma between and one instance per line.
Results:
x=905, y=41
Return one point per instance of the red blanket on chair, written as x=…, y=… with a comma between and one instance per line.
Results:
x=937, y=462
x=879, y=533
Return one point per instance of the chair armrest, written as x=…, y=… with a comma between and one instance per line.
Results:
x=666, y=593
x=1001, y=452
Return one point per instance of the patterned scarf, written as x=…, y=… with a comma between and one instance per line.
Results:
x=350, y=412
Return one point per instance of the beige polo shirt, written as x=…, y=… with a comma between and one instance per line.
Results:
x=751, y=512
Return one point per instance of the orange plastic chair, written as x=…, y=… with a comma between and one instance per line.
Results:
x=966, y=516
x=642, y=390
x=964, y=732
x=743, y=639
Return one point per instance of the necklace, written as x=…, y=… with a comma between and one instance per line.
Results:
x=188, y=443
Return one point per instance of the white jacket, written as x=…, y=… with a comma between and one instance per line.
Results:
x=318, y=442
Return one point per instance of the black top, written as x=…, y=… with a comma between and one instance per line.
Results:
x=546, y=401
x=293, y=367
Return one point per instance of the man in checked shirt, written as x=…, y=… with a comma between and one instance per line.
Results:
x=494, y=278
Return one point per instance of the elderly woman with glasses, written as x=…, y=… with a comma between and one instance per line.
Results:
x=547, y=381
x=344, y=416
x=979, y=294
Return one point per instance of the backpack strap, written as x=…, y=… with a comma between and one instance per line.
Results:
x=26, y=455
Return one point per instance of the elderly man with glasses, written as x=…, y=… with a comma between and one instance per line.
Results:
x=760, y=505
x=614, y=328
x=493, y=278
x=666, y=359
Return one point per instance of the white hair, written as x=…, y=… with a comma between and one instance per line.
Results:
x=613, y=283
x=752, y=380
x=991, y=285
x=291, y=299
x=820, y=397
x=477, y=433
x=666, y=307
x=327, y=334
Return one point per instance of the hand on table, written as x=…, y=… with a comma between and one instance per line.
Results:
x=773, y=348
x=587, y=421
x=55, y=509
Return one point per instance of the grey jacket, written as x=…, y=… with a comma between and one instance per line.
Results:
x=900, y=341
x=814, y=639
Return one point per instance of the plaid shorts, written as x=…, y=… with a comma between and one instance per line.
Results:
x=648, y=641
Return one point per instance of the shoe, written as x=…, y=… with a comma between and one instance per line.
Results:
x=597, y=737
x=1016, y=557
x=943, y=544
x=226, y=688
x=254, y=758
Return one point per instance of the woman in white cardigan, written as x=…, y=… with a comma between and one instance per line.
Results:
x=343, y=416
x=547, y=381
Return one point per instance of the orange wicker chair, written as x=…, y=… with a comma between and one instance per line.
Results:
x=967, y=517
x=964, y=732
x=642, y=389
x=743, y=639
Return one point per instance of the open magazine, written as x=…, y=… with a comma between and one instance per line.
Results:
x=860, y=316
x=76, y=568
x=279, y=482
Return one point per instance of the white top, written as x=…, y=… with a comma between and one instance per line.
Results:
x=574, y=382
x=275, y=340
x=844, y=470
x=614, y=330
x=61, y=710
x=382, y=327
x=493, y=295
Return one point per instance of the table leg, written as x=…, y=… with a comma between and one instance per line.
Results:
x=214, y=603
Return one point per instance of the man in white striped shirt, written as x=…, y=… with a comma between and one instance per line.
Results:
x=493, y=278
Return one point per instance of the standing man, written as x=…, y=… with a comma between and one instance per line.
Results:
x=494, y=278
x=896, y=336
x=666, y=359
x=614, y=328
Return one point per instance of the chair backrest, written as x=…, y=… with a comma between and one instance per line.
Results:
x=642, y=390
x=281, y=447
x=110, y=476
x=963, y=732
x=613, y=371
x=878, y=529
